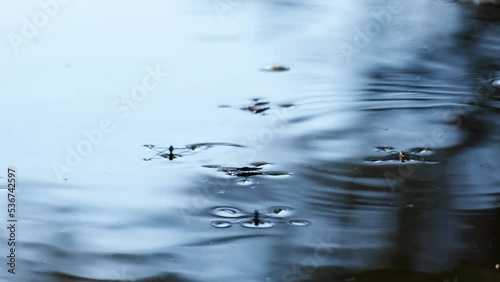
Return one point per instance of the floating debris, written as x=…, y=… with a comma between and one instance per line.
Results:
x=255, y=219
x=415, y=154
x=168, y=152
x=275, y=68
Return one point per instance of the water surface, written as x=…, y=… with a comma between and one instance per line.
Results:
x=365, y=136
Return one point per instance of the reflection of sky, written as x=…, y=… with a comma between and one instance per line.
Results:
x=96, y=32
x=65, y=79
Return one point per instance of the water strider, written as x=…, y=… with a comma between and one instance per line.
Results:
x=162, y=152
x=258, y=106
x=245, y=172
x=414, y=154
x=255, y=219
x=168, y=152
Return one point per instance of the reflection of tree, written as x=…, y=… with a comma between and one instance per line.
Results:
x=443, y=214
x=426, y=234
x=480, y=43
x=476, y=125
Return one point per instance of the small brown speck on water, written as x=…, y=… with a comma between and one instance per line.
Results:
x=275, y=68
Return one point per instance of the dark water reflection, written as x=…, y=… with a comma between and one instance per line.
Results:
x=381, y=165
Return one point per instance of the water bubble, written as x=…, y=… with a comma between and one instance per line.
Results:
x=299, y=222
x=221, y=224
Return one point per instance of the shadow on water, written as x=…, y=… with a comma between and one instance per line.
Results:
x=415, y=221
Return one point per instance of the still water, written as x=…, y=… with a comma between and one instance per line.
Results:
x=252, y=140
